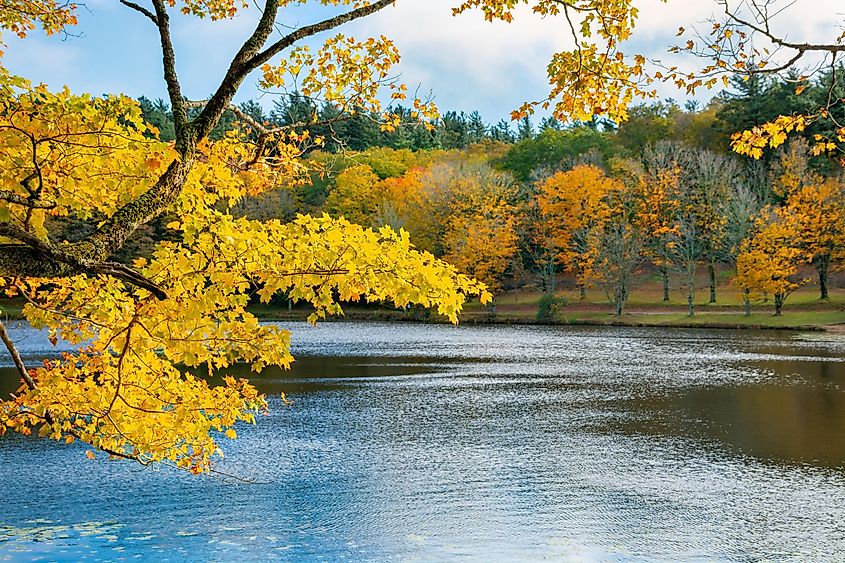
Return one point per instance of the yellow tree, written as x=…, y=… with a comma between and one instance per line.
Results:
x=660, y=188
x=573, y=205
x=355, y=195
x=818, y=216
x=815, y=207
x=768, y=261
x=96, y=160
x=620, y=241
x=479, y=235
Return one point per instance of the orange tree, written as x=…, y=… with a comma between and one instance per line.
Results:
x=573, y=206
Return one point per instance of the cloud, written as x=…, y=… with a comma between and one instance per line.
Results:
x=467, y=63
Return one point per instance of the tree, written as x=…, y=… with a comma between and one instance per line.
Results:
x=97, y=160
x=814, y=207
x=574, y=207
x=354, y=195
x=620, y=247
x=708, y=184
x=483, y=243
x=646, y=125
x=553, y=150
x=687, y=250
x=740, y=211
x=525, y=130
x=660, y=187
x=768, y=262
x=818, y=216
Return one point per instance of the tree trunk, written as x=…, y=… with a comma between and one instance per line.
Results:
x=746, y=300
x=779, y=299
x=711, y=271
x=823, y=267
x=691, y=304
x=621, y=296
x=583, y=292
x=664, y=271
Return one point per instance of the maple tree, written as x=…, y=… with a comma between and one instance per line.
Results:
x=482, y=242
x=768, y=261
x=620, y=243
x=96, y=160
x=814, y=206
x=573, y=206
x=660, y=193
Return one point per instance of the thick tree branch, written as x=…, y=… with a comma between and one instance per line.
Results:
x=174, y=90
x=32, y=203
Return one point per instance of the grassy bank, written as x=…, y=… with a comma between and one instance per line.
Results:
x=803, y=311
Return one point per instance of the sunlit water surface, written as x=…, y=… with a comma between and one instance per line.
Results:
x=422, y=442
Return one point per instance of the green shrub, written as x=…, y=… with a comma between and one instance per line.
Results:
x=549, y=307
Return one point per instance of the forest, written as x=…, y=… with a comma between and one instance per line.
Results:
x=582, y=204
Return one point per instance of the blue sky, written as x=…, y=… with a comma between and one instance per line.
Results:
x=467, y=63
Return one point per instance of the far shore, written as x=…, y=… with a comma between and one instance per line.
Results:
x=803, y=312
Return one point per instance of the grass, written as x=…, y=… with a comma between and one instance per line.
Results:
x=792, y=319
x=11, y=308
x=645, y=308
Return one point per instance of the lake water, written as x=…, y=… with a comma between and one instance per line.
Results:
x=432, y=443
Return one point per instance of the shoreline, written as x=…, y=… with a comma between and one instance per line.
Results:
x=504, y=319
x=828, y=319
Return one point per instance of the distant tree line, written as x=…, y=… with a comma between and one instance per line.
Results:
x=594, y=201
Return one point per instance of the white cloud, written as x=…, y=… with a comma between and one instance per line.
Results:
x=468, y=63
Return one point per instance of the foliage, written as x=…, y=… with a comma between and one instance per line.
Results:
x=97, y=162
x=549, y=307
x=768, y=262
x=554, y=150
x=574, y=206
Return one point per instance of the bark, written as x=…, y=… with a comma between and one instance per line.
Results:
x=711, y=273
x=621, y=297
x=664, y=272
x=779, y=300
x=16, y=358
x=691, y=305
x=823, y=268
x=746, y=301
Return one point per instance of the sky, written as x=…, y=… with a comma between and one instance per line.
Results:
x=465, y=62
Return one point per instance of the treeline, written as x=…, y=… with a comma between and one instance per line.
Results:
x=598, y=220
x=594, y=202
x=356, y=130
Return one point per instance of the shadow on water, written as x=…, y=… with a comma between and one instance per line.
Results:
x=795, y=416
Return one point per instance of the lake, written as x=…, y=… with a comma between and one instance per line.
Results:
x=431, y=443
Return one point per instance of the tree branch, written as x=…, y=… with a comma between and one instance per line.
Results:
x=140, y=9
x=174, y=90
x=16, y=357
x=250, y=57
